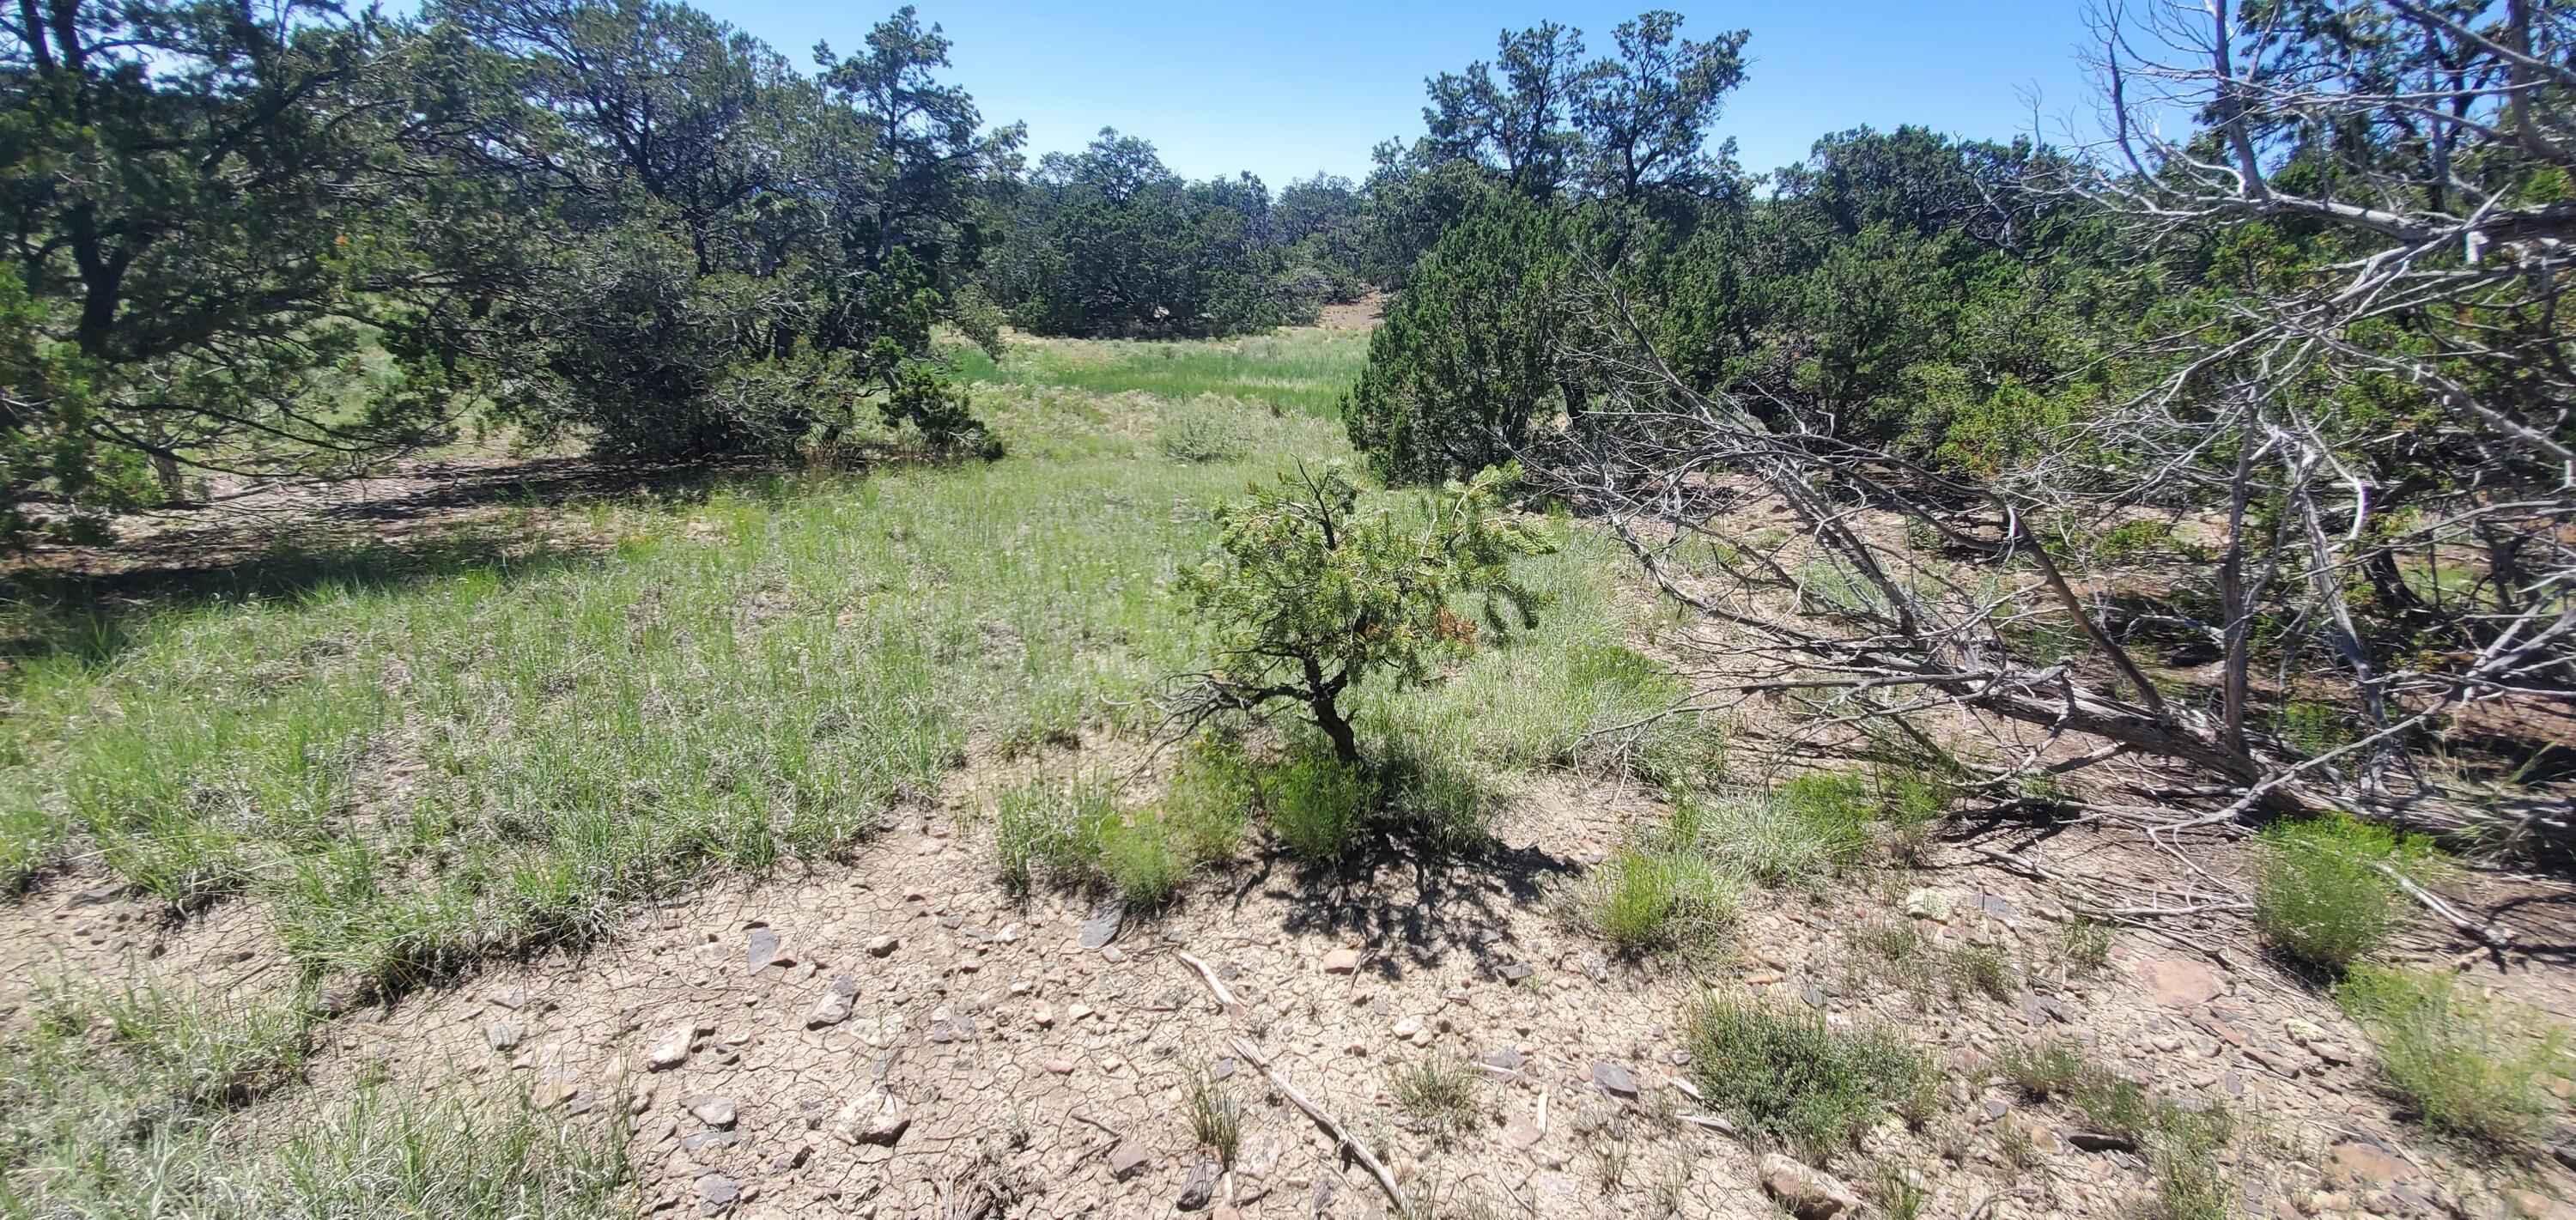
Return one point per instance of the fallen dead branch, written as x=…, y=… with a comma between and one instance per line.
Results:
x=1251, y=1054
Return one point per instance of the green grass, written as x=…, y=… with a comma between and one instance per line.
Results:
x=2324, y=893
x=1442, y=1096
x=1316, y=804
x=147, y=1104
x=2466, y=1067
x=2183, y=1142
x=1649, y=901
x=1074, y=834
x=1786, y=1076
x=1303, y=371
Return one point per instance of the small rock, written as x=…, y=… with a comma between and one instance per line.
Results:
x=760, y=948
x=718, y=1189
x=834, y=1007
x=1341, y=961
x=876, y=1118
x=1408, y=1027
x=512, y=998
x=1261, y=1158
x=1043, y=1014
x=1504, y=1060
x=2177, y=983
x=1808, y=1193
x=503, y=1034
x=672, y=1050
x=880, y=946
x=1060, y=1066
x=1198, y=1188
x=1102, y=927
x=1127, y=1160
x=1615, y=1078
x=2334, y=1053
x=713, y=1109
x=2098, y=1141
x=1522, y=1134
x=2303, y=1032
x=1928, y=904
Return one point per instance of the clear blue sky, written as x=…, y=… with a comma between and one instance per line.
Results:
x=1286, y=89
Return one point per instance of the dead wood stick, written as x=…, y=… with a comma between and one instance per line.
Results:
x=1252, y=1054
x=2492, y=935
x=1224, y=998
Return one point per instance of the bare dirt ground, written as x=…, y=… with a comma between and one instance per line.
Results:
x=898, y=1037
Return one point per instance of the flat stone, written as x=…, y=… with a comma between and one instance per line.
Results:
x=1808, y=1193
x=1060, y=1066
x=1504, y=1060
x=503, y=1034
x=1258, y=1160
x=1615, y=1078
x=718, y=1189
x=1103, y=926
x=2098, y=1141
x=1128, y=1159
x=672, y=1050
x=1341, y=961
x=1522, y=1134
x=1997, y=907
x=760, y=948
x=834, y=1006
x=512, y=998
x=1198, y=1188
x=713, y=1109
x=1512, y=972
x=2367, y=1163
x=879, y=946
x=2179, y=983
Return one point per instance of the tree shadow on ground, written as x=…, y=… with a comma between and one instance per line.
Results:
x=1411, y=889
x=87, y=603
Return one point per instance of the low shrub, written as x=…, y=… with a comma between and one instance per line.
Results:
x=1202, y=432
x=2326, y=890
x=1317, y=804
x=1647, y=901
x=2467, y=1067
x=1783, y=1074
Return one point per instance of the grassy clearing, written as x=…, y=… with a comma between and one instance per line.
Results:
x=1302, y=372
x=418, y=772
x=2327, y=890
x=148, y=1104
x=1784, y=1075
x=2467, y=1067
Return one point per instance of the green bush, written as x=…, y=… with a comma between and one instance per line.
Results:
x=2323, y=893
x=1783, y=1074
x=1317, y=804
x=2467, y=1067
x=1646, y=901
x=1201, y=433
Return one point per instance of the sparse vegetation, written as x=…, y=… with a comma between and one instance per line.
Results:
x=1785, y=1075
x=2467, y=1067
x=1216, y=1121
x=1442, y=1096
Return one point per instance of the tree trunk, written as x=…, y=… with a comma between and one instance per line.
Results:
x=1346, y=744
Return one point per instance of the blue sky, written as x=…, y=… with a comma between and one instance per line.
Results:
x=1285, y=90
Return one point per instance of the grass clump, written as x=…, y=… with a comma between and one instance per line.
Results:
x=1075, y=834
x=1317, y=804
x=1785, y=1075
x=1216, y=1122
x=2181, y=1142
x=2324, y=893
x=1439, y=1094
x=2467, y=1067
x=1648, y=901
x=1897, y=952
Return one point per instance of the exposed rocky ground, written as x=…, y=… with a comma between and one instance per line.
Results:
x=896, y=1036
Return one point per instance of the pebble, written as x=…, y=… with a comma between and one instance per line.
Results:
x=713, y=1109
x=1341, y=961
